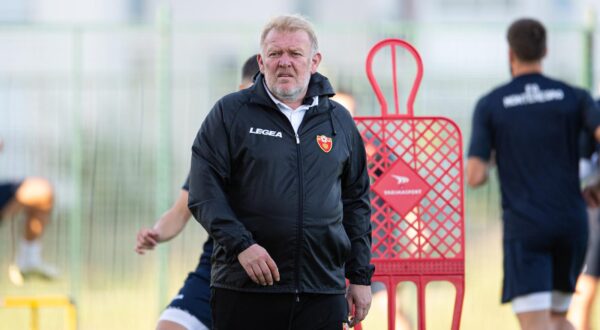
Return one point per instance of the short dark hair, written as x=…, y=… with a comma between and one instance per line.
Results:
x=527, y=39
x=250, y=68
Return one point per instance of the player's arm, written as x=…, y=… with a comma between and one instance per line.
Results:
x=477, y=171
x=590, y=112
x=480, y=146
x=591, y=119
x=597, y=134
x=168, y=226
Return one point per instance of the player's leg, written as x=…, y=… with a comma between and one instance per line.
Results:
x=177, y=319
x=190, y=309
x=560, y=305
x=528, y=280
x=560, y=321
x=583, y=300
x=569, y=255
x=35, y=197
x=533, y=311
x=169, y=325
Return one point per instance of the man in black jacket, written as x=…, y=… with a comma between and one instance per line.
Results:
x=279, y=180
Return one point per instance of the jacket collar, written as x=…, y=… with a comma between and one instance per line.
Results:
x=317, y=86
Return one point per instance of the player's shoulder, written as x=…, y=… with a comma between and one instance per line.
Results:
x=490, y=99
x=570, y=90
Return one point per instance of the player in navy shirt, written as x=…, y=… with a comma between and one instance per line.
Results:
x=190, y=308
x=530, y=128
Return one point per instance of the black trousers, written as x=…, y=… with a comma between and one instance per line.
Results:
x=235, y=310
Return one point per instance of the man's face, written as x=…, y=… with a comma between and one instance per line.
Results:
x=287, y=63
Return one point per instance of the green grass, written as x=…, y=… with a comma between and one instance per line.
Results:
x=119, y=289
x=132, y=303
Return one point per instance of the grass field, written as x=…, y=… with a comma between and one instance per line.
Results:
x=119, y=289
x=131, y=304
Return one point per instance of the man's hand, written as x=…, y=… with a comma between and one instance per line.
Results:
x=591, y=192
x=147, y=239
x=591, y=195
x=259, y=265
x=477, y=171
x=359, y=302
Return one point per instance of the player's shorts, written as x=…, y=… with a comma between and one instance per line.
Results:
x=543, y=263
x=592, y=260
x=555, y=301
x=191, y=306
x=7, y=192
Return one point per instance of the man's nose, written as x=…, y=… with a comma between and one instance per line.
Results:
x=284, y=60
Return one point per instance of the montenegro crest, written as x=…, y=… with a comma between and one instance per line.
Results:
x=325, y=143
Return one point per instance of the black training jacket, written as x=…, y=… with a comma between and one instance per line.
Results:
x=252, y=180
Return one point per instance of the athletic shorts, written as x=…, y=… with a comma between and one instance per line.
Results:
x=543, y=263
x=592, y=260
x=234, y=310
x=191, y=306
x=7, y=192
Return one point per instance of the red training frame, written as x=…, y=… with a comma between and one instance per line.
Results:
x=417, y=194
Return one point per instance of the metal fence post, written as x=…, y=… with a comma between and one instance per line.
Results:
x=588, y=48
x=163, y=145
x=75, y=211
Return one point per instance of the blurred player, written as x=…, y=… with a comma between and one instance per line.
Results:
x=587, y=284
x=190, y=309
x=33, y=197
x=533, y=125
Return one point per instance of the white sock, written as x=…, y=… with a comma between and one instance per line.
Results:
x=29, y=259
x=30, y=253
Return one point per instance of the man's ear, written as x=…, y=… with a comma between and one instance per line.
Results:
x=261, y=65
x=315, y=61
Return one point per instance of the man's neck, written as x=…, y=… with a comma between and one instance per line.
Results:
x=523, y=68
x=293, y=104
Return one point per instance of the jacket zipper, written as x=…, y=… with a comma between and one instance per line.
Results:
x=300, y=207
x=300, y=216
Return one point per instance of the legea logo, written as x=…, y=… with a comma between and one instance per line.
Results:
x=261, y=131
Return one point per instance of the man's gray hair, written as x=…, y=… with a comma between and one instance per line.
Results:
x=291, y=23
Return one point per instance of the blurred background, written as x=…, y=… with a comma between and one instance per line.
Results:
x=104, y=98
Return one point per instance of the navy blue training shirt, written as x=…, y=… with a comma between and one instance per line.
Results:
x=533, y=124
x=207, y=249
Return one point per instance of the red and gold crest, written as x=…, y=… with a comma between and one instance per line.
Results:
x=325, y=143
